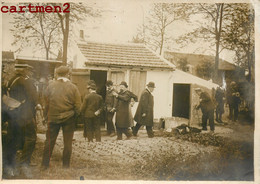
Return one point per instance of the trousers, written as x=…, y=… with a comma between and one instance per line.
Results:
x=92, y=127
x=149, y=130
x=51, y=136
x=120, y=132
x=109, y=121
x=233, y=111
x=19, y=136
x=208, y=115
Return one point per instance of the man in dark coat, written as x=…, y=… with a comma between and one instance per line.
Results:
x=219, y=96
x=207, y=108
x=233, y=96
x=91, y=109
x=144, y=112
x=21, y=133
x=122, y=111
x=63, y=102
x=110, y=102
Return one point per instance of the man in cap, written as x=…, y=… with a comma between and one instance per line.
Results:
x=91, y=109
x=122, y=111
x=63, y=102
x=21, y=133
x=110, y=102
x=207, y=108
x=144, y=112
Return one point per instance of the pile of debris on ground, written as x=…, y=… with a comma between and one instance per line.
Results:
x=195, y=135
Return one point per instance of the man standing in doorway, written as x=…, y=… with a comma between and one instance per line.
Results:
x=62, y=107
x=144, y=112
x=110, y=102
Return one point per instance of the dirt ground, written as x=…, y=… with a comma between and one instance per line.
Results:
x=225, y=155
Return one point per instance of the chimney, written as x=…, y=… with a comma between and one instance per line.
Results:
x=81, y=34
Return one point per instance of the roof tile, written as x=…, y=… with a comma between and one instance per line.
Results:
x=133, y=55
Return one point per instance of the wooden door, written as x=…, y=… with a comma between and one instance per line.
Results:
x=117, y=77
x=137, y=82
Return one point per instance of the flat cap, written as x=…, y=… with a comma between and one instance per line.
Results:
x=62, y=70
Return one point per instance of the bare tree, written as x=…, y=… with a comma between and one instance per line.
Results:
x=37, y=30
x=211, y=30
x=49, y=30
x=78, y=12
x=154, y=30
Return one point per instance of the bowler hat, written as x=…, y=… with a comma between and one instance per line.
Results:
x=62, y=70
x=92, y=86
x=124, y=84
x=109, y=83
x=151, y=85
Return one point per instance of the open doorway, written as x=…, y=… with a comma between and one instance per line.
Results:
x=100, y=78
x=181, y=100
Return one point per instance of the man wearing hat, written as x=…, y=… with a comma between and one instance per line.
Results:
x=21, y=133
x=110, y=102
x=122, y=111
x=144, y=112
x=207, y=108
x=63, y=102
x=91, y=109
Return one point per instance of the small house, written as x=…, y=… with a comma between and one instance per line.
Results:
x=137, y=65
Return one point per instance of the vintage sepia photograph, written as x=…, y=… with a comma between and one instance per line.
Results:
x=128, y=90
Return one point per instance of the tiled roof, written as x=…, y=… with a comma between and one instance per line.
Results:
x=131, y=55
x=196, y=59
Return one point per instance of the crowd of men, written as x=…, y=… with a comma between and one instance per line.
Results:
x=216, y=103
x=62, y=105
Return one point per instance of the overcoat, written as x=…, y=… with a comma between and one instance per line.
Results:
x=122, y=109
x=145, y=105
x=23, y=89
x=219, y=96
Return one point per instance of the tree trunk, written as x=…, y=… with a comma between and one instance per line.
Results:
x=65, y=39
x=218, y=29
x=162, y=42
x=249, y=66
x=47, y=54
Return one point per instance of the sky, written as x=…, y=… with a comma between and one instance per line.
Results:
x=118, y=23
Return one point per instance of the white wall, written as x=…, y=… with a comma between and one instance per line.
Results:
x=162, y=93
x=179, y=76
x=78, y=59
